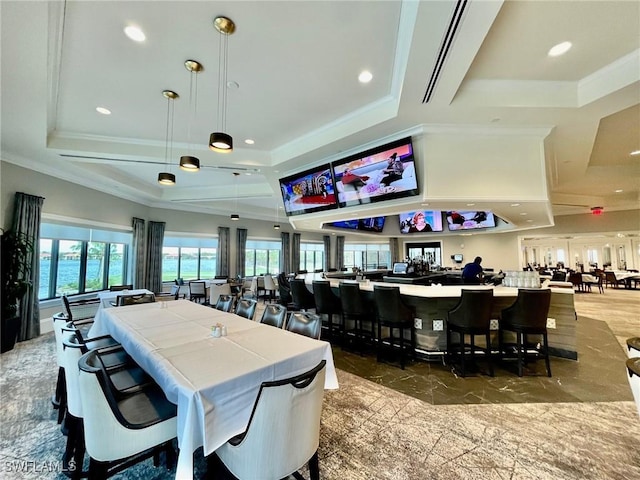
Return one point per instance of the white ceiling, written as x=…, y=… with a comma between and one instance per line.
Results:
x=296, y=65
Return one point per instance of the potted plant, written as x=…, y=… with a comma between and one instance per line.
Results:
x=15, y=250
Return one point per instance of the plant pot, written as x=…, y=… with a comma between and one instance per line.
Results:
x=9, y=333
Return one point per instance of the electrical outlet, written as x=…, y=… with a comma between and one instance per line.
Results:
x=417, y=323
x=551, y=323
x=438, y=325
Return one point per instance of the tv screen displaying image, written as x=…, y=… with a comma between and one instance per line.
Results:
x=371, y=224
x=378, y=174
x=400, y=268
x=309, y=191
x=420, y=221
x=470, y=220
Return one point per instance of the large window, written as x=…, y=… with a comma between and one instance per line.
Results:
x=262, y=256
x=188, y=258
x=311, y=256
x=367, y=256
x=79, y=259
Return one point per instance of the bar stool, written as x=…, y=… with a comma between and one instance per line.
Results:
x=527, y=316
x=327, y=303
x=301, y=296
x=393, y=314
x=472, y=316
x=633, y=347
x=354, y=309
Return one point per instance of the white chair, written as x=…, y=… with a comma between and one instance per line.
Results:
x=633, y=375
x=121, y=430
x=270, y=288
x=252, y=291
x=283, y=432
x=216, y=290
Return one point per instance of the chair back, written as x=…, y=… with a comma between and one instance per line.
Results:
x=123, y=300
x=302, y=298
x=305, y=323
x=71, y=352
x=274, y=315
x=216, y=290
x=197, y=288
x=80, y=309
x=284, y=429
x=224, y=303
x=530, y=309
x=389, y=306
x=351, y=300
x=246, y=307
x=175, y=291
x=269, y=284
x=118, y=288
x=473, y=310
x=559, y=277
x=221, y=277
x=326, y=301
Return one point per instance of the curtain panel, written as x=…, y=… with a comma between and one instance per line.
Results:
x=339, y=252
x=285, y=258
x=27, y=212
x=394, y=250
x=155, y=239
x=222, y=265
x=295, y=253
x=241, y=251
x=137, y=255
x=326, y=239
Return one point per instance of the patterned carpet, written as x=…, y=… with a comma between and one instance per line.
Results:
x=368, y=432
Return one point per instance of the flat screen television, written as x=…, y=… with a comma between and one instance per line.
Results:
x=375, y=175
x=309, y=191
x=469, y=220
x=400, y=268
x=371, y=224
x=420, y=221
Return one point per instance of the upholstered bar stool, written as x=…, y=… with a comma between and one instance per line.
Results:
x=327, y=303
x=472, y=316
x=356, y=311
x=302, y=298
x=633, y=347
x=527, y=316
x=392, y=313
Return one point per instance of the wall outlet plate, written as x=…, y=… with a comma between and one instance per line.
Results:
x=551, y=323
x=438, y=325
x=417, y=323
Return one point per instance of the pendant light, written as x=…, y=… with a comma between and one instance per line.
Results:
x=219, y=141
x=188, y=162
x=276, y=226
x=168, y=178
x=235, y=216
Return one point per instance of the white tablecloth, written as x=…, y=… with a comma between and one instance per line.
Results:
x=214, y=381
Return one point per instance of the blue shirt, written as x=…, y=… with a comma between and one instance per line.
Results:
x=471, y=271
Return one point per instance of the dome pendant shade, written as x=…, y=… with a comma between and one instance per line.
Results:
x=235, y=216
x=220, y=142
x=166, y=178
x=276, y=226
x=189, y=163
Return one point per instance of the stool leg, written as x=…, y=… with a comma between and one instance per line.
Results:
x=520, y=359
x=488, y=353
x=462, y=366
x=546, y=353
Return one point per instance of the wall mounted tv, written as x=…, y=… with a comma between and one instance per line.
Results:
x=378, y=174
x=371, y=224
x=469, y=220
x=420, y=221
x=309, y=191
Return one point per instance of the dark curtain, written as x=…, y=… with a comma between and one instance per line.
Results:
x=394, y=250
x=295, y=253
x=241, y=250
x=137, y=255
x=339, y=252
x=222, y=265
x=327, y=252
x=285, y=258
x=27, y=213
x=155, y=239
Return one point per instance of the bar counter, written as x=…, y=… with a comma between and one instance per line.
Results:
x=433, y=302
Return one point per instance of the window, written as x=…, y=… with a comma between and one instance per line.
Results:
x=367, y=256
x=80, y=259
x=311, y=256
x=188, y=258
x=262, y=256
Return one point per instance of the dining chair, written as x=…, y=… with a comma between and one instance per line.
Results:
x=122, y=430
x=283, y=433
x=118, y=288
x=224, y=303
x=270, y=288
x=216, y=290
x=246, y=307
x=305, y=323
x=125, y=300
x=198, y=292
x=274, y=315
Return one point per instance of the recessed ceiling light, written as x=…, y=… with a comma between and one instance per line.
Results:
x=559, y=49
x=249, y=141
x=135, y=33
x=635, y=152
x=103, y=111
x=424, y=204
x=515, y=204
x=619, y=190
x=470, y=204
x=231, y=85
x=523, y=213
x=365, y=76
x=529, y=220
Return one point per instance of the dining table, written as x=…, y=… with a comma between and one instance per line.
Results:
x=214, y=381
